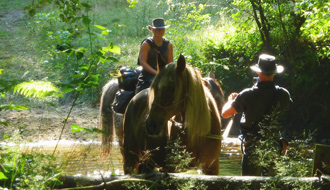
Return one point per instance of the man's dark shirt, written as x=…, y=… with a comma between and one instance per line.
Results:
x=256, y=101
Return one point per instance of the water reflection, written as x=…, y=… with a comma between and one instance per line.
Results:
x=230, y=159
x=83, y=157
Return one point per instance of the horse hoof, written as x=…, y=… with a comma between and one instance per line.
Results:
x=145, y=168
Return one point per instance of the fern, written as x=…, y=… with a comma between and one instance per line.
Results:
x=37, y=89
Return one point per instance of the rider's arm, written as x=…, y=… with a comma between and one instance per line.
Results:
x=170, y=53
x=143, y=56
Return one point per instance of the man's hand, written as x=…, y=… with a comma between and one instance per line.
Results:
x=232, y=96
x=228, y=110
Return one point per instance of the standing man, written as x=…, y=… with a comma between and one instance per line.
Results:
x=255, y=103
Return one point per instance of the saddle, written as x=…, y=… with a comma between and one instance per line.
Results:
x=127, y=81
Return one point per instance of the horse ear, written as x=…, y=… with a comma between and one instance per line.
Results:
x=160, y=62
x=212, y=75
x=181, y=64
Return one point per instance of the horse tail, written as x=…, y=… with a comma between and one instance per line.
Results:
x=107, y=116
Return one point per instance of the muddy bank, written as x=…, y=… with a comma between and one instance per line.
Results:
x=45, y=123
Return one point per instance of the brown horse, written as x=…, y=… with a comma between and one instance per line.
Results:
x=177, y=90
x=112, y=122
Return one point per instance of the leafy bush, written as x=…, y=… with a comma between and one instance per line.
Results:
x=177, y=157
x=27, y=171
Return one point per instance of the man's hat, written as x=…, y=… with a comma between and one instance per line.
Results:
x=267, y=64
x=158, y=23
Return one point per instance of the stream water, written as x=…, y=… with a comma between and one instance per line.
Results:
x=83, y=158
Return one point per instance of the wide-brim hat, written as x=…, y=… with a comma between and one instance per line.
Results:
x=267, y=64
x=158, y=23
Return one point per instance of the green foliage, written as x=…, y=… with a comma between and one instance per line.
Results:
x=166, y=182
x=136, y=185
x=317, y=17
x=78, y=62
x=295, y=163
x=177, y=157
x=189, y=16
x=11, y=106
x=31, y=171
x=182, y=184
x=37, y=89
x=2, y=176
x=76, y=128
x=298, y=157
x=27, y=171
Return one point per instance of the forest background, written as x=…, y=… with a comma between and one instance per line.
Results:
x=71, y=48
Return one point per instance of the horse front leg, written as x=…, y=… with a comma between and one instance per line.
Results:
x=211, y=168
x=130, y=161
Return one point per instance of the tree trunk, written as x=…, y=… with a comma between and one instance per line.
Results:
x=152, y=181
x=262, y=22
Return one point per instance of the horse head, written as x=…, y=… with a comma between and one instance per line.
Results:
x=166, y=96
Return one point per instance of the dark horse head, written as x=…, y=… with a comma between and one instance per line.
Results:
x=166, y=96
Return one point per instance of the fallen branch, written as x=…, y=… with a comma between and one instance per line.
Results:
x=152, y=181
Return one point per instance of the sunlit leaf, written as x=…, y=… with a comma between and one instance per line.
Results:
x=66, y=90
x=105, y=32
x=5, y=136
x=115, y=49
x=132, y=3
x=37, y=89
x=101, y=27
x=2, y=176
x=225, y=67
x=77, y=128
x=11, y=106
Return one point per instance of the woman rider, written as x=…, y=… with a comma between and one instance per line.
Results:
x=148, y=53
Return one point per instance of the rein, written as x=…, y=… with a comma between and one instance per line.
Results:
x=172, y=105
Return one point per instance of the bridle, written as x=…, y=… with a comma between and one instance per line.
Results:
x=184, y=99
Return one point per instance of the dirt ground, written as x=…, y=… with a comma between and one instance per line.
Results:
x=46, y=123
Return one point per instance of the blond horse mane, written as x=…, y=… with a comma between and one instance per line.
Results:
x=197, y=112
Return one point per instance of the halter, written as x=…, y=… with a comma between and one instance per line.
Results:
x=183, y=99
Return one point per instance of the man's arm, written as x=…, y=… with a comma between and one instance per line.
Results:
x=228, y=110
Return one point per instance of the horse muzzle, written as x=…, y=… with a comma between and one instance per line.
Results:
x=154, y=127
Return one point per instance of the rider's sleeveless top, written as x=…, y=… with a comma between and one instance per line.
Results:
x=152, y=57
